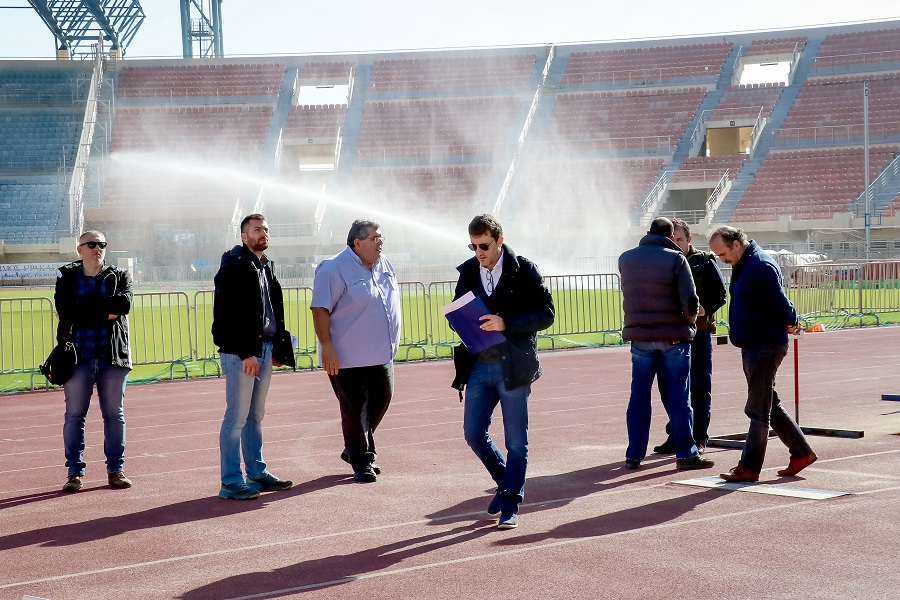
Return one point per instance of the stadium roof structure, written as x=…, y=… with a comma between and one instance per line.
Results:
x=78, y=22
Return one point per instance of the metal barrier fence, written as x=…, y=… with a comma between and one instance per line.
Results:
x=173, y=328
x=27, y=333
x=585, y=304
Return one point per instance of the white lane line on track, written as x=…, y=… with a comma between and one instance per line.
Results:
x=536, y=547
x=306, y=539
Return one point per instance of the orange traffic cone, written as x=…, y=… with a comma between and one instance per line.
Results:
x=817, y=328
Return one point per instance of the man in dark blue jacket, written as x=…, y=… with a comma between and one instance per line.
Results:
x=520, y=305
x=661, y=307
x=759, y=319
x=248, y=314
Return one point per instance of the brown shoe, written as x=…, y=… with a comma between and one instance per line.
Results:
x=73, y=484
x=118, y=480
x=740, y=473
x=797, y=464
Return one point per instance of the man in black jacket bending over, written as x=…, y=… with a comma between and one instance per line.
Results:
x=248, y=312
x=661, y=308
x=520, y=305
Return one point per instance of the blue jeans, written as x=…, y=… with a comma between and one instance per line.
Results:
x=484, y=390
x=110, y=381
x=245, y=407
x=764, y=407
x=672, y=362
x=701, y=386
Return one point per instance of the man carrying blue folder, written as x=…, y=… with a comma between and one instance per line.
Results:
x=519, y=305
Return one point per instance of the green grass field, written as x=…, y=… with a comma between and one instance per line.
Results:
x=170, y=331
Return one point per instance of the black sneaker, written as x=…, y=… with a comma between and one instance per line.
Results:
x=346, y=458
x=364, y=474
x=494, y=506
x=630, y=463
x=269, y=483
x=73, y=484
x=667, y=447
x=694, y=462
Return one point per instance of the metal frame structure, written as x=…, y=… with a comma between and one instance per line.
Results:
x=77, y=22
x=203, y=31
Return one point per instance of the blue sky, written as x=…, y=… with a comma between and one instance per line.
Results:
x=258, y=27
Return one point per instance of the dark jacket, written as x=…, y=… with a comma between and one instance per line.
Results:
x=659, y=296
x=760, y=312
x=238, y=311
x=523, y=302
x=710, y=286
x=93, y=311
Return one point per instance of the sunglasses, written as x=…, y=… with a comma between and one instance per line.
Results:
x=483, y=247
x=93, y=245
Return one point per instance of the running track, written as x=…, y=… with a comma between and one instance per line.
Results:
x=588, y=529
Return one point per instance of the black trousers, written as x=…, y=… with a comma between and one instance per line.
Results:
x=364, y=394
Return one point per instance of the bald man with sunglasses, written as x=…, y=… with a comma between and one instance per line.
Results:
x=93, y=300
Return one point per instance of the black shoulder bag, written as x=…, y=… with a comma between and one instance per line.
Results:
x=61, y=363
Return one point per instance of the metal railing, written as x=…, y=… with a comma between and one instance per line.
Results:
x=428, y=152
x=843, y=63
x=832, y=135
x=157, y=90
x=646, y=144
x=169, y=328
x=889, y=172
x=643, y=76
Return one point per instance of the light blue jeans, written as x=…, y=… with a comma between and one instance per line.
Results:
x=110, y=381
x=245, y=407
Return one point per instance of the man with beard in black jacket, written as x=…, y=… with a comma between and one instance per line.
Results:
x=520, y=305
x=248, y=313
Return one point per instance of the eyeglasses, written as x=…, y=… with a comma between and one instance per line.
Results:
x=378, y=239
x=483, y=247
x=92, y=244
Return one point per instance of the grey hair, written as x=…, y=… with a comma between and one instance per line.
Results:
x=359, y=230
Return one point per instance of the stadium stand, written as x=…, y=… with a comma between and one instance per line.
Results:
x=31, y=207
x=775, y=46
x=438, y=133
x=746, y=102
x=462, y=72
x=449, y=191
x=41, y=113
x=708, y=169
x=54, y=84
x=813, y=184
x=315, y=121
x=859, y=51
x=38, y=140
x=639, y=122
x=204, y=80
x=234, y=132
x=571, y=187
x=646, y=66
x=460, y=127
x=830, y=109
x=326, y=71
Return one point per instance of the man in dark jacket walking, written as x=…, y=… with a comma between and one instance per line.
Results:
x=711, y=290
x=520, y=305
x=661, y=307
x=759, y=319
x=248, y=313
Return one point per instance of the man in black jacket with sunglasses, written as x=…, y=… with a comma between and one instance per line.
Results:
x=520, y=305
